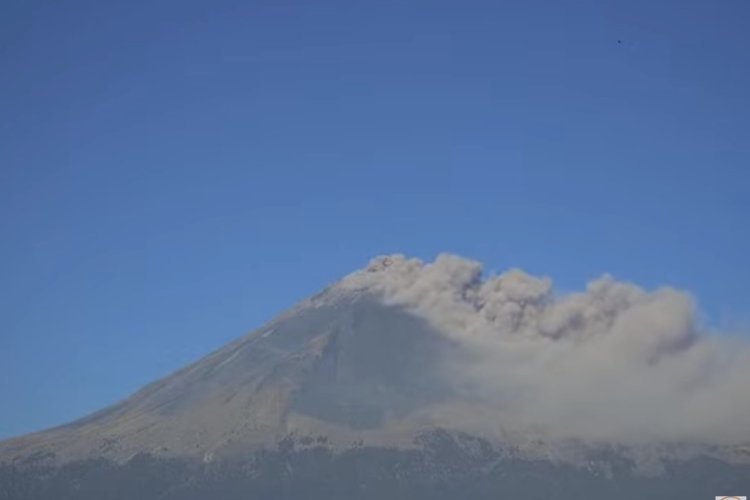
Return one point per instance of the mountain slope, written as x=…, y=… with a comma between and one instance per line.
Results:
x=344, y=365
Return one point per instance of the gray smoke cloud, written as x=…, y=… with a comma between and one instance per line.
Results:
x=613, y=362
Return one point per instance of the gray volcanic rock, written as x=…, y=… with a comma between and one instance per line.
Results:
x=343, y=365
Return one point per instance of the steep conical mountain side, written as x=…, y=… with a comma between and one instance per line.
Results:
x=344, y=366
x=425, y=374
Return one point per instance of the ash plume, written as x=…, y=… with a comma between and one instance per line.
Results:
x=612, y=362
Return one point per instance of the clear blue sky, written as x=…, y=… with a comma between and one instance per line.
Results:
x=173, y=174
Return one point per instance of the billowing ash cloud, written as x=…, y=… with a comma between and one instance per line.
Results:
x=613, y=362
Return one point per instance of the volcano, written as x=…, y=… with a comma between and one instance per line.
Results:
x=427, y=377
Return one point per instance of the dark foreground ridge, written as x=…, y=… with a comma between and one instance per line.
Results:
x=444, y=466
